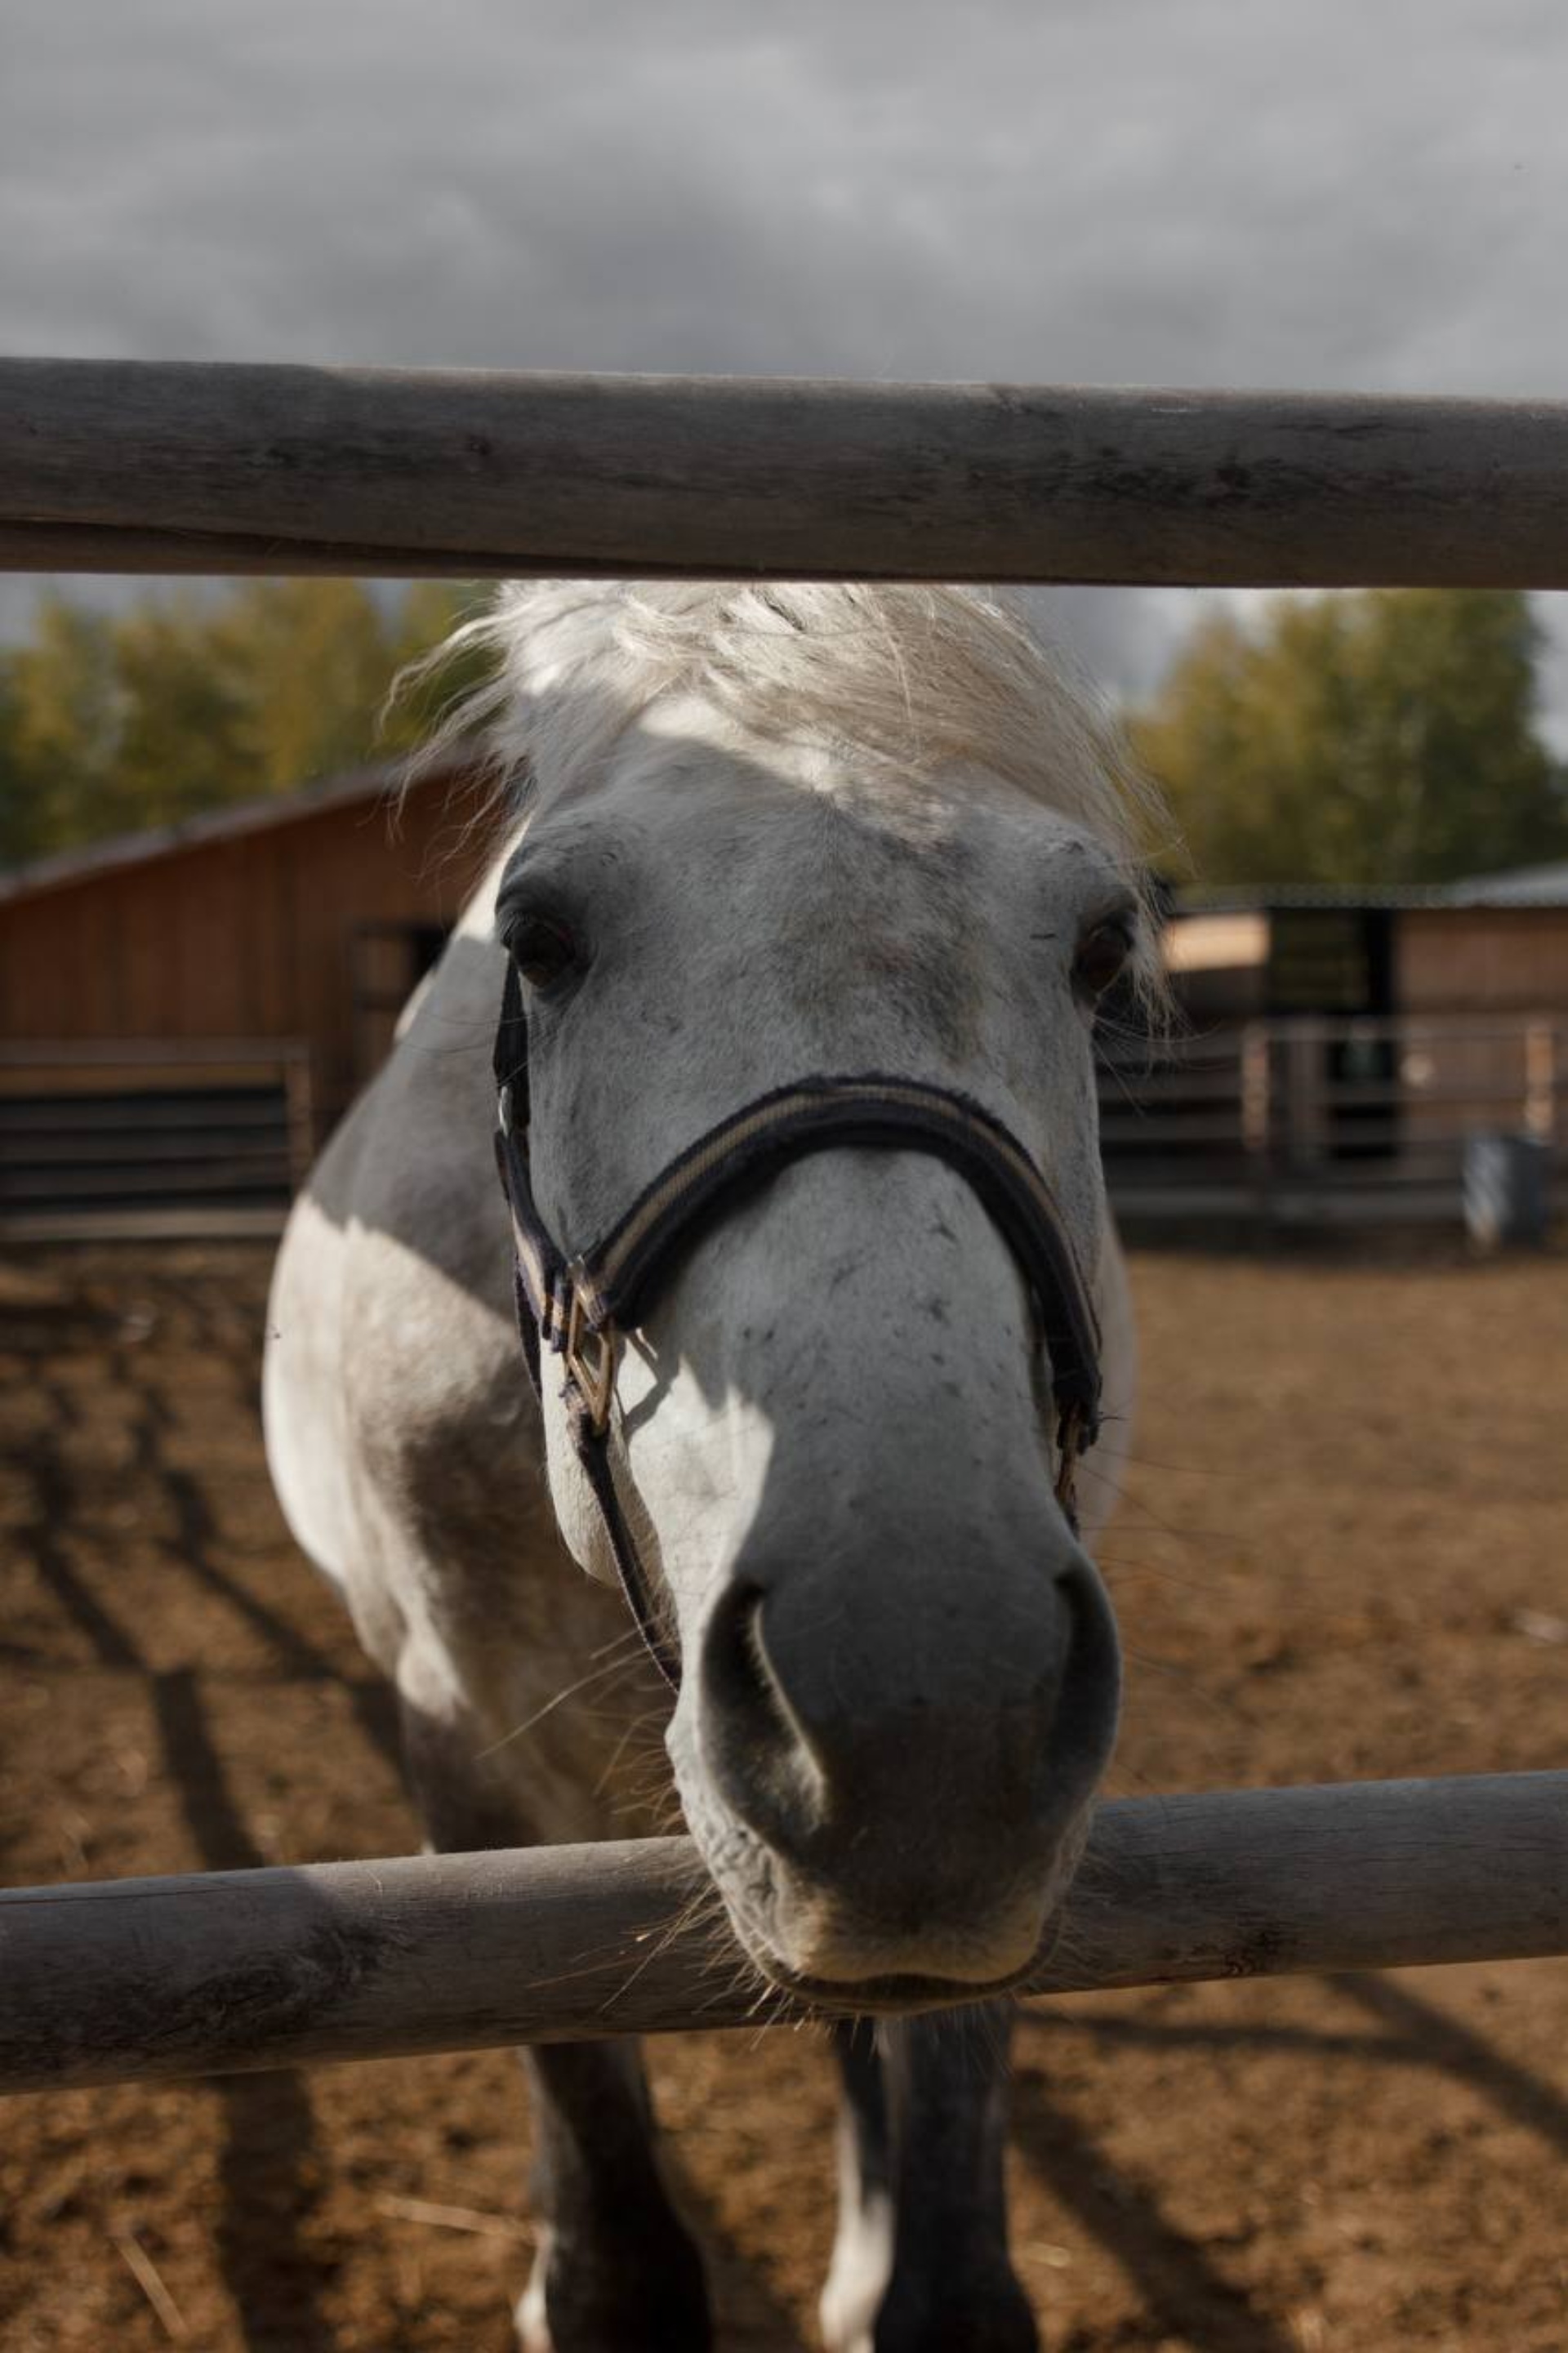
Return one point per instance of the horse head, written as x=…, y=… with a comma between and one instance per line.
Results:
x=768, y=835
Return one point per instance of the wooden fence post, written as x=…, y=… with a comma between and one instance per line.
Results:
x=1541, y=1075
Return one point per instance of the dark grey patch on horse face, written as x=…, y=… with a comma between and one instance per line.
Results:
x=885, y=923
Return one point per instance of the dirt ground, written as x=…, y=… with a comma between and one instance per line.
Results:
x=1343, y=1555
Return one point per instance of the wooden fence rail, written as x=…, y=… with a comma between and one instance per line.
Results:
x=129, y=466
x=1308, y=1120
x=239, y=1970
x=111, y=1138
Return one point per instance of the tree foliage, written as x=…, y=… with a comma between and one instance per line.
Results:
x=184, y=703
x=1384, y=735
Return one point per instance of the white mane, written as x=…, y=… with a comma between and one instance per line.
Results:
x=909, y=680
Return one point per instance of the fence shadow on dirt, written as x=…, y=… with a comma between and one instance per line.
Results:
x=1171, y=2272
x=269, y=2160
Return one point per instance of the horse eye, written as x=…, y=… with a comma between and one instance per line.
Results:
x=543, y=949
x=1102, y=955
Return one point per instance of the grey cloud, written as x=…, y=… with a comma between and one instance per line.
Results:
x=1108, y=191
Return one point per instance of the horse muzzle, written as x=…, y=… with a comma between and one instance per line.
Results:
x=891, y=1788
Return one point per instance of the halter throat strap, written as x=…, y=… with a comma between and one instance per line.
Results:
x=578, y=1308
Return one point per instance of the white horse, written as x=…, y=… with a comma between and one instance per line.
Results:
x=758, y=834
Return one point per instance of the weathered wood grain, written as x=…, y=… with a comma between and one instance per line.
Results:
x=186, y=467
x=233, y=1971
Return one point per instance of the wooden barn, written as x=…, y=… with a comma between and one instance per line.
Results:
x=1341, y=1049
x=184, y=1014
x=1495, y=945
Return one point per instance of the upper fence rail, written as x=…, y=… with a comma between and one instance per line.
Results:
x=134, y=465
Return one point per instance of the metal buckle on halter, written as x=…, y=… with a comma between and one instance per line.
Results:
x=592, y=1374
x=1072, y=1439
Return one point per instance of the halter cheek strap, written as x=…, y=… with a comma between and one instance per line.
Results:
x=578, y=1308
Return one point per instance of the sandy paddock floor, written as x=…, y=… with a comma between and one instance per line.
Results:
x=1345, y=1554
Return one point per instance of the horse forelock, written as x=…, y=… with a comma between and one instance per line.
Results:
x=886, y=685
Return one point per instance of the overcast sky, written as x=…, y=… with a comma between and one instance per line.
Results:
x=1334, y=193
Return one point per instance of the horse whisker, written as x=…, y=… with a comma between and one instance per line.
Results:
x=596, y=1675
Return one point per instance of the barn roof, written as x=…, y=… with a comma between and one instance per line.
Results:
x=232, y=824
x=1522, y=886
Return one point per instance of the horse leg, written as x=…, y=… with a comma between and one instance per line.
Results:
x=616, y=2271
x=862, y=2259
x=920, y=2261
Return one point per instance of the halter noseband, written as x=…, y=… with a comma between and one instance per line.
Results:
x=578, y=1308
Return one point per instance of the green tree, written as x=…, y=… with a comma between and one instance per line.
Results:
x=191, y=703
x=1385, y=735
x=309, y=662
x=15, y=812
x=63, y=713
x=184, y=742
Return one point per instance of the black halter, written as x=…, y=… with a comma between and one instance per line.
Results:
x=577, y=1308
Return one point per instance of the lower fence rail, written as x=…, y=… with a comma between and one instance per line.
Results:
x=120, y=1139
x=143, y=1979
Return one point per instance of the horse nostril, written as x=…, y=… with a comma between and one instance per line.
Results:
x=1088, y=1695
x=756, y=1740
x=737, y=1675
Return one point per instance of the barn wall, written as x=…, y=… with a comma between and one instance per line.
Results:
x=1483, y=960
x=246, y=938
